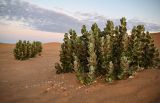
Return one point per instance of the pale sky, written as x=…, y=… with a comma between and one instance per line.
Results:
x=11, y=34
x=147, y=10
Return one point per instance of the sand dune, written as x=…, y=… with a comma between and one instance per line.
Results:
x=35, y=81
x=156, y=38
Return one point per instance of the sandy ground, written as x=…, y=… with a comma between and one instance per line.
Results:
x=156, y=37
x=35, y=81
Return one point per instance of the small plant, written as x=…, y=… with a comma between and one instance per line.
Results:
x=25, y=50
x=58, y=68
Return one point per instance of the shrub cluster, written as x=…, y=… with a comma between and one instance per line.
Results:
x=111, y=53
x=25, y=50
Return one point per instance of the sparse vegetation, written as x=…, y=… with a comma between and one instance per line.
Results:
x=111, y=53
x=25, y=50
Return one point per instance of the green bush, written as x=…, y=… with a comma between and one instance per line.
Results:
x=58, y=68
x=111, y=53
x=25, y=50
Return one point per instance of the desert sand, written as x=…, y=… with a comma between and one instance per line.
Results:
x=35, y=81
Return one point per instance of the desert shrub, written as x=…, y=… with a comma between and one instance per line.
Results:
x=111, y=53
x=66, y=55
x=58, y=68
x=25, y=50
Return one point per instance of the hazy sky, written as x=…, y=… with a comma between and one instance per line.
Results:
x=147, y=10
x=11, y=34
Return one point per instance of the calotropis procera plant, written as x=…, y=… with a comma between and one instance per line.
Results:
x=25, y=50
x=66, y=55
x=92, y=59
x=111, y=54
